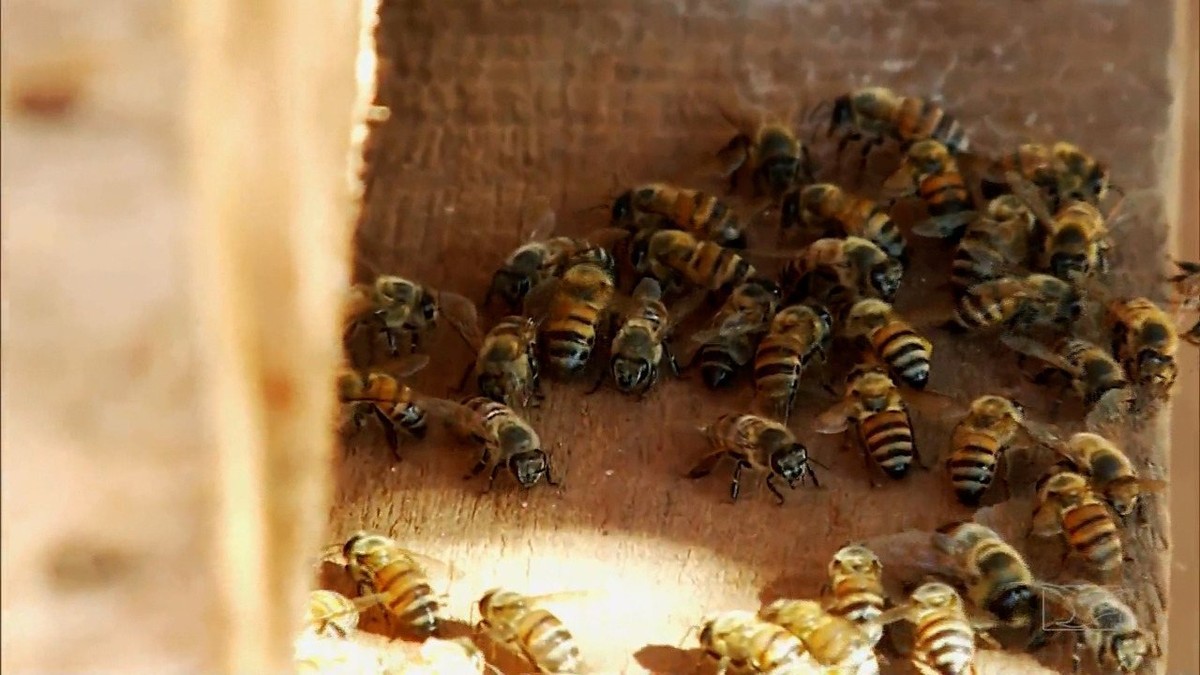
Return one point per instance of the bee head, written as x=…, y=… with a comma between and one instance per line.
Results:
x=843, y=113
x=632, y=373
x=788, y=458
x=528, y=467
x=622, y=208
x=781, y=173
x=511, y=285
x=885, y=278
x=1156, y=371
x=1015, y=606
x=1130, y=649
x=1123, y=494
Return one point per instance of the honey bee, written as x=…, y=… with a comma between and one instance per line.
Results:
x=833, y=641
x=892, y=339
x=382, y=568
x=695, y=212
x=1062, y=171
x=1108, y=628
x=930, y=172
x=836, y=272
x=1145, y=341
x=994, y=246
x=404, y=308
x=506, y=367
x=639, y=345
x=978, y=442
x=458, y=656
x=882, y=426
x=573, y=307
x=535, y=262
x=1187, y=290
x=740, y=641
x=332, y=614
x=508, y=440
x=383, y=395
x=997, y=578
x=732, y=338
x=798, y=334
x=515, y=620
x=772, y=154
x=855, y=589
x=1089, y=371
x=1109, y=471
x=1018, y=304
x=677, y=259
x=1074, y=243
x=1066, y=505
x=944, y=638
x=874, y=114
x=755, y=442
x=828, y=209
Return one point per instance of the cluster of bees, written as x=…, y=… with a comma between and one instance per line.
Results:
x=1030, y=232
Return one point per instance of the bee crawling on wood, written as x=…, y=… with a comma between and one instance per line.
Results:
x=741, y=642
x=876, y=114
x=770, y=152
x=755, y=442
x=382, y=395
x=1187, y=288
x=519, y=623
x=400, y=308
x=640, y=344
x=507, y=440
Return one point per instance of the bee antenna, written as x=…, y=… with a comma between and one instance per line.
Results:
x=687, y=634
x=814, y=461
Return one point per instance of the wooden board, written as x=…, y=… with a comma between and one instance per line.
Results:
x=495, y=106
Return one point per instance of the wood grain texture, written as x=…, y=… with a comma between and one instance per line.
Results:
x=495, y=105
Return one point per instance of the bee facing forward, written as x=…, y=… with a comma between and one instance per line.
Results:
x=1066, y=505
x=892, y=339
x=740, y=641
x=1107, y=627
x=678, y=259
x=854, y=589
x=878, y=415
x=836, y=272
x=943, y=640
x=514, y=620
x=535, y=262
x=978, y=442
x=830, y=210
x=997, y=578
x=385, y=397
x=1109, y=471
x=993, y=246
x=639, y=345
x=508, y=441
x=506, y=367
x=695, y=212
x=757, y=443
x=1145, y=341
x=403, y=308
x=380, y=566
x=732, y=338
x=875, y=114
x=775, y=159
x=573, y=307
x=831, y=640
x=798, y=334
x=930, y=172
x=1018, y=304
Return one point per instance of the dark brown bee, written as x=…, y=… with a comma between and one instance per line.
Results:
x=1018, y=304
x=881, y=423
x=732, y=338
x=826, y=208
x=798, y=334
x=755, y=442
x=875, y=114
x=772, y=154
x=892, y=339
x=678, y=260
x=662, y=205
x=1066, y=505
x=930, y=172
x=506, y=367
x=385, y=397
x=836, y=272
x=1145, y=341
x=994, y=246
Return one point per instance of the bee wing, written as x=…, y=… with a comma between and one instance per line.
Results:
x=407, y=365
x=940, y=227
x=900, y=184
x=443, y=570
x=461, y=313
x=1044, y=434
x=575, y=595
x=537, y=301
x=910, y=554
x=538, y=219
x=608, y=237
x=647, y=290
x=836, y=419
x=1033, y=348
x=734, y=327
x=460, y=419
x=1030, y=194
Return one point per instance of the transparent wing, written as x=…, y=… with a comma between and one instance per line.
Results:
x=538, y=219
x=899, y=185
x=910, y=555
x=462, y=314
x=1030, y=194
x=537, y=301
x=406, y=365
x=940, y=227
x=836, y=419
x=1033, y=348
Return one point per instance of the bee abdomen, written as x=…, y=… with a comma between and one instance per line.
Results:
x=972, y=467
x=889, y=439
x=717, y=365
x=948, y=645
x=551, y=646
x=1093, y=534
x=906, y=353
x=945, y=194
x=410, y=597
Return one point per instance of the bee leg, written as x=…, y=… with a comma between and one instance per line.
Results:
x=462, y=383
x=599, y=382
x=705, y=466
x=393, y=341
x=389, y=432
x=492, y=478
x=550, y=479
x=1077, y=654
x=734, y=156
x=773, y=488
x=671, y=362
x=735, y=487
x=481, y=464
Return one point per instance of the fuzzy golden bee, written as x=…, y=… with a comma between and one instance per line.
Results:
x=535, y=262
x=731, y=340
x=993, y=246
x=771, y=154
x=1089, y=370
x=798, y=335
x=854, y=589
x=639, y=347
x=506, y=366
x=679, y=260
x=507, y=440
x=1109, y=471
x=1107, y=627
x=398, y=308
x=876, y=415
x=875, y=114
x=930, y=172
x=832, y=641
x=382, y=395
x=837, y=271
x=1062, y=171
x=516, y=621
x=891, y=339
x=1018, y=304
x=754, y=442
x=1145, y=341
x=833, y=212
x=997, y=578
x=1067, y=505
x=572, y=308
x=943, y=636
x=742, y=643
x=663, y=205
x=381, y=567
x=1074, y=243
x=979, y=442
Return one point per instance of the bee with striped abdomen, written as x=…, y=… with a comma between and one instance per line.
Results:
x=892, y=339
x=515, y=621
x=1090, y=371
x=834, y=642
x=798, y=334
x=943, y=637
x=398, y=307
x=741, y=642
x=1018, y=304
x=1074, y=243
x=1067, y=505
x=876, y=415
x=382, y=568
x=994, y=246
x=854, y=589
x=508, y=441
x=873, y=114
x=572, y=307
x=506, y=366
x=930, y=172
x=836, y=272
x=978, y=443
x=658, y=205
x=1145, y=341
x=770, y=153
x=384, y=396
x=535, y=262
x=1106, y=626
x=640, y=343
x=732, y=338
x=1109, y=471
x=1062, y=172
x=758, y=443
x=677, y=259
x=833, y=212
